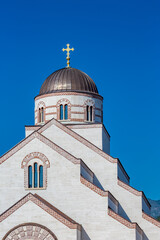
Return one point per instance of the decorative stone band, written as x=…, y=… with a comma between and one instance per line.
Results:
x=51, y=113
x=98, y=190
x=124, y=221
x=25, y=163
x=33, y=128
x=134, y=191
x=151, y=219
x=94, y=95
x=44, y=140
x=29, y=231
x=33, y=155
x=47, y=207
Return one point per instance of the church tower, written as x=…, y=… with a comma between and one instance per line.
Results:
x=60, y=182
x=71, y=97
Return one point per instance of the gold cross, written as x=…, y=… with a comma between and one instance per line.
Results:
x=68, y=49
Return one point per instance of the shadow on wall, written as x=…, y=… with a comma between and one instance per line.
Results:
x=85, y=235
x=122, y=213
x=97, y=182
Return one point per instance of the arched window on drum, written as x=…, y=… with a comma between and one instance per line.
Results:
x=41, y=115
x=63, y=112
x=89, y=113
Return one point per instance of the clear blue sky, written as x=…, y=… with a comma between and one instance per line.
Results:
x=117, y=43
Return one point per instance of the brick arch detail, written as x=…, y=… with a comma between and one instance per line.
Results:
x=30, y=231
x=89, y=102
x=41, y=104
x=25, y=164
x=33, y=155
x=63, y=101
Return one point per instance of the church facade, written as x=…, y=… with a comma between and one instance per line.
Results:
x=62, y=182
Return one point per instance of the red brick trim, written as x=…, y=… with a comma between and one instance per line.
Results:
x=134, y=191
x=51, y=113
x=77, y=112
x=93, y=187
x=58, y=149
x=76, y=105
x=79, y=138
x=34, y=128
x=85, y=126
x=63, y=101
x=47, y=207
x=25, y=164
x=33, y=155
x=150, y=219
x=98, y=190
x=29, y=231
x=124, y=221
x=77, y=120
x=44, y=140
x=52, y=106
x=40, y=105
x=92, y=95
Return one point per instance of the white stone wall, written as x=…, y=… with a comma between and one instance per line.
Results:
x=77, y=102
x=95, y=133
x=64, y=191
x=69, y=195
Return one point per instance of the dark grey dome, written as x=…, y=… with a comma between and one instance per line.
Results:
x=68, y=79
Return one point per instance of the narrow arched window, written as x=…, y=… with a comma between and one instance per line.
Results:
x=91, y=113
x=30, y=177
x=65, y=111
x=41, y=115
x=41, y=176
x=35, y=175
x=87, y=112
x=61, y=112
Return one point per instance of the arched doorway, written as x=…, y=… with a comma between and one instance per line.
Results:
x=29, y=231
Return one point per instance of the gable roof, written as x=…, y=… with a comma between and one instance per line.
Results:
x=46, y=206
x=43, y=139
x=83, y=141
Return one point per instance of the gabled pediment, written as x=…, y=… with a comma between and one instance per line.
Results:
x=46, y=206
x=43, y=139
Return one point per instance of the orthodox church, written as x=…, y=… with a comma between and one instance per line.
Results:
x=62, y=182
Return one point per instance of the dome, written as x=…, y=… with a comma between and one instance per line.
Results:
x=68, y=79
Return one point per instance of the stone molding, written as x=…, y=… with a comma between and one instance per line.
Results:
x=150, y=219
x=124, y=221
x=63, y=101
x=44, y=140
x=134, y=191
x=93, y=187
x=98, y=190
x=33, y=155
x=40, y=105
x=30, y=231
x=47, y=207
x=25, y=164
x=85, y=126
x=33, y=128
x=91, y=95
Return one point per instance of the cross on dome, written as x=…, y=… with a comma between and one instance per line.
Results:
x=68, y=49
